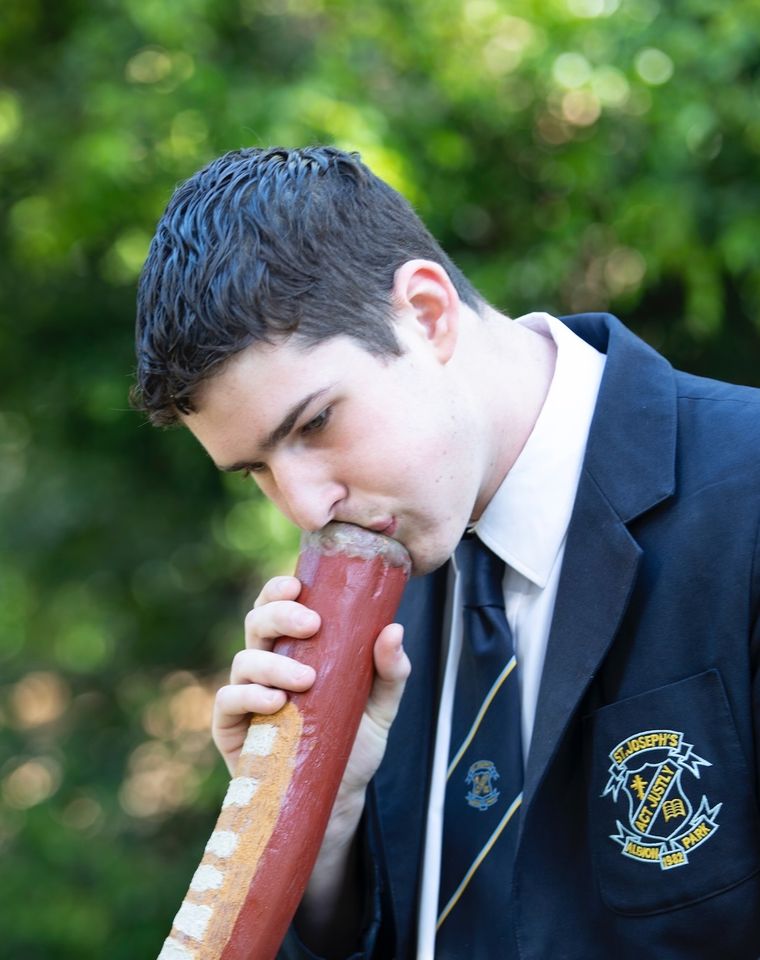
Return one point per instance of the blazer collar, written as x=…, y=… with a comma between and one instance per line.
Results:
x=632, y=442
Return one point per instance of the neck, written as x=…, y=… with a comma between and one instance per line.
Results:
x=519, y=366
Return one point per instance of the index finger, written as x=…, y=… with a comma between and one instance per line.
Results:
x=278, y=588
x=278, y=618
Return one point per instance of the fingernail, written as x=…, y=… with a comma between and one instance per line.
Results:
x=302, y=673
x=307, y=618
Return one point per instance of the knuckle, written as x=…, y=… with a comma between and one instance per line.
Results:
x=237, y=662
x=223, y=696
x=274, y=589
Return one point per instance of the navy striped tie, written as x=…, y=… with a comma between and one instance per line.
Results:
x=485, y=775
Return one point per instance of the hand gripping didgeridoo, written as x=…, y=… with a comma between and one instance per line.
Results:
x=262, y=851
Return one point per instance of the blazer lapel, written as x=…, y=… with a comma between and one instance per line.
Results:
x=401, y=783
x=599, y=569
x=628, y=469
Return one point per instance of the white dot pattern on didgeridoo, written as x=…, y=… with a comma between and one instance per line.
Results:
x=222, y=843
x=240, y=792
x=260, y=739
x=205, y=878
x=192, y=919
x=172, y=950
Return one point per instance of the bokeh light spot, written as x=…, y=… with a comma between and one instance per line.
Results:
x=653, y=66
x=31, y=782
x=39, y=698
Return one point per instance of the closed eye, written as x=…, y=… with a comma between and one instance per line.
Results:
x=310, y=428
x=252, y=469
x=317, y=423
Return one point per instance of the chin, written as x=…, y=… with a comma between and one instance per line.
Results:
x=422, y=565
x=430, y=547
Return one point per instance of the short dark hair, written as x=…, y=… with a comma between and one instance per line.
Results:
x=263, y=243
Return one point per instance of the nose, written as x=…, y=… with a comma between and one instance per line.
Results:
x=306, y=493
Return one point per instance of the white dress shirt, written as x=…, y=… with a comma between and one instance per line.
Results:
x=526, y=525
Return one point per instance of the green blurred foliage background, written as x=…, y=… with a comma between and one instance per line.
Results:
x=570, y=154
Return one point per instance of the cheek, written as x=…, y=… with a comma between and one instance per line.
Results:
x=376, y=437
x=413, y=465
x=401, y=446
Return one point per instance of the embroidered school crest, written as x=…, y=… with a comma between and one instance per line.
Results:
x=652, y=777
x=480, y=779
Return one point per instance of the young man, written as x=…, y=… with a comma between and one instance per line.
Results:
x=299, y=319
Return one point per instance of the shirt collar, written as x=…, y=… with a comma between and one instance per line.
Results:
x=527, y=519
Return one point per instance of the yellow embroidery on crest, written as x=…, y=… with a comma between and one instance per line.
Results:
x=647, y=775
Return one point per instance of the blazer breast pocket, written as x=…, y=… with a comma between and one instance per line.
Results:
x=673, y=815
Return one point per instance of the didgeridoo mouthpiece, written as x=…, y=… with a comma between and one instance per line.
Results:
x=259, y=858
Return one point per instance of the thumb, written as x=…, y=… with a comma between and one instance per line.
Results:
x=392, y=669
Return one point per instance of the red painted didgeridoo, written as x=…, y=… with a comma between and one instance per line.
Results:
x=262, y=851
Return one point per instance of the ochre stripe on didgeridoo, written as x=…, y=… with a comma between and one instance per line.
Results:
x=262, y=851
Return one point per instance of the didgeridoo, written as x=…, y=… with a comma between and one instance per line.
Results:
x=262, y=851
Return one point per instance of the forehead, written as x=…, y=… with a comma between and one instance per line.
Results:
x=267, y=371
x=254, y=367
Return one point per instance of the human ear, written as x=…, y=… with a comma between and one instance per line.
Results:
x=427, y=301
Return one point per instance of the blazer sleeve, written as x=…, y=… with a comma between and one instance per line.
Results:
x=755, y=656
x=368, y=946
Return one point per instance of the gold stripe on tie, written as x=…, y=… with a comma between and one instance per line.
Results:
x=478, y=860
x=481, y=713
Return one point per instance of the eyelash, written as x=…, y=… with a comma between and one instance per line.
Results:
x=315, y=425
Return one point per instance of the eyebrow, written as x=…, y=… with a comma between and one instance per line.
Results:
x=281, y=431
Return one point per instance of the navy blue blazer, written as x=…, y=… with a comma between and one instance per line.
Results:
x=640, y=829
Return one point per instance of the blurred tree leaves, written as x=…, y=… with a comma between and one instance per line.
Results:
x=570, y=154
